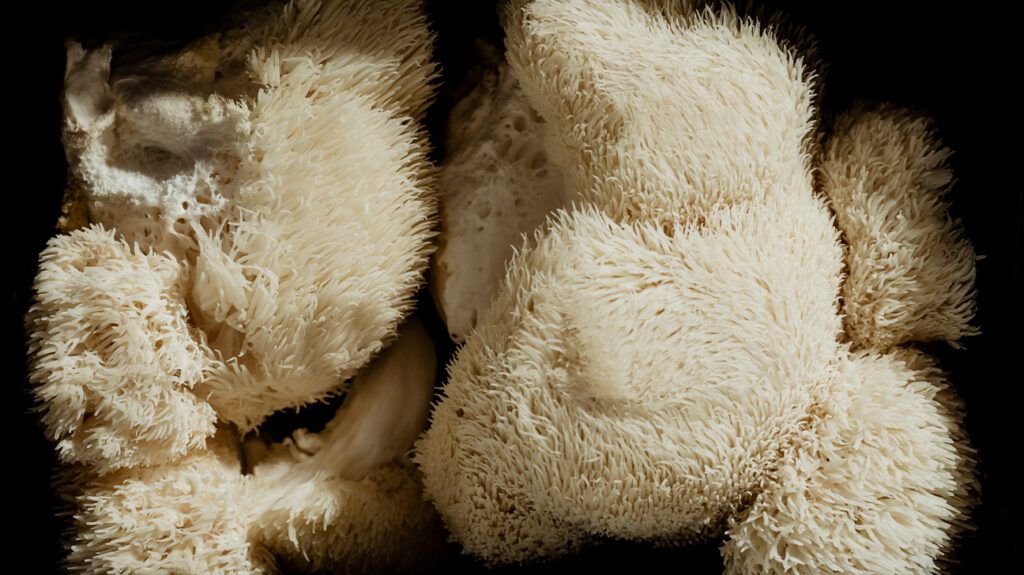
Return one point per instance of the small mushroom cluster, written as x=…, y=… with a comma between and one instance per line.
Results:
x=247, y=223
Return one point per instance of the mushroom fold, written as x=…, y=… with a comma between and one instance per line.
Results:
x=247, y=222
x=666, y=359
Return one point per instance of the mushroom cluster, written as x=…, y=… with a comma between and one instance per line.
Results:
x=247, y=224
x=709, y=342
x=689, y=309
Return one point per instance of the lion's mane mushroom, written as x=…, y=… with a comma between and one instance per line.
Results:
x=189, y=516
x=496, y=185
x=306, y=238
x=246, y=224
x=666, y=360
x=347, y=496
x=114, y=359
x=344, y=499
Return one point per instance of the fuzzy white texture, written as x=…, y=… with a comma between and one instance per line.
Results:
x=334, y=212
x=113, y=358
x=496, y=185
x=293, y=173
x=634, y=93
x=247, y=221
x=665, y=360
x=911, y=271
x=879, y=483
x=582, y=401
x=345, y=499
x=183, y=517
x=376, y=524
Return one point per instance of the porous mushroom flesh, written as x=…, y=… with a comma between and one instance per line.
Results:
x=246, y=225
x=304, y=237
x=497, y=185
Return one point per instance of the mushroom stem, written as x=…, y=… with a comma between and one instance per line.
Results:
x=385, y=411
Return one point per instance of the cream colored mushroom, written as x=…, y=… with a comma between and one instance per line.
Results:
x=666, y=360
x=247, y=222
x=497, y=185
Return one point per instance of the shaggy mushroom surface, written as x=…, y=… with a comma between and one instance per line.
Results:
x=707, y=343
x=247, y=223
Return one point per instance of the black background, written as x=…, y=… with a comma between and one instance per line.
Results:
x=957, y=62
